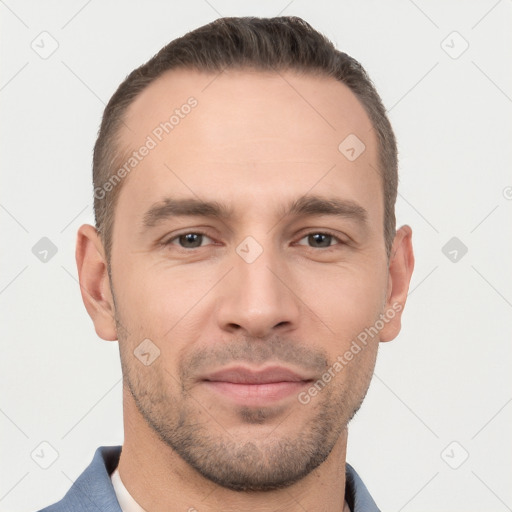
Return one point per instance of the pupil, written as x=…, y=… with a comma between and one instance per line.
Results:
x=191, y=240
x=320, y=239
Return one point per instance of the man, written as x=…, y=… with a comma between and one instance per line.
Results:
x=246, y=258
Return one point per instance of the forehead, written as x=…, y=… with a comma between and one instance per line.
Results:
x=246, y=133
x=250, y=102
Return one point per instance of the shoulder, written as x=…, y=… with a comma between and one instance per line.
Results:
x=92, y=490
x=356, y=494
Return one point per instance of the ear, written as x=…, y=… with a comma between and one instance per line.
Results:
x=94, y=282
x=401, y=265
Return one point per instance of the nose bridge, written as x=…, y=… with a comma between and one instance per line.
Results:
x=257, y=299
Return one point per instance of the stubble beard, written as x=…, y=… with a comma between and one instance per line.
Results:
x=260, y=464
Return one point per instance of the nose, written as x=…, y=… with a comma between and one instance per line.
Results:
x=258, y=298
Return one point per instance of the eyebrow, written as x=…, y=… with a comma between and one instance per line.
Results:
x=317, y=205
x=303, y=206
x=171, y=207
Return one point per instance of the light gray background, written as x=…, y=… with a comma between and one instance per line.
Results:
x=445, y=379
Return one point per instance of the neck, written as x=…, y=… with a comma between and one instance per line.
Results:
x=159, y=479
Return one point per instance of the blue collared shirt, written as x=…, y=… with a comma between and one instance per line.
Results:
x=93, y=490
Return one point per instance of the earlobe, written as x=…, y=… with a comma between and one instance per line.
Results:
x=94, y=281
x=401, y=266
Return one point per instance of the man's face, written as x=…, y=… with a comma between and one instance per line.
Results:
x=251, y=308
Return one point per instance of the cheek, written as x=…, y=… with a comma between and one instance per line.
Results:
x=158, y=301
x=346, y=300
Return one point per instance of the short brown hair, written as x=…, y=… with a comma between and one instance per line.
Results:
x=266, y=44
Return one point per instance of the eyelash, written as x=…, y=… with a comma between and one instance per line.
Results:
x=198, y=232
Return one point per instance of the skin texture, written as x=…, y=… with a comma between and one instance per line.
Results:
x=255, y=142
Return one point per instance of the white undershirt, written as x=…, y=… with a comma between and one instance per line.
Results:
x=125, y=499
x=128, y=504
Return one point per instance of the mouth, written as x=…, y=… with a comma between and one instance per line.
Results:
x=244, y=386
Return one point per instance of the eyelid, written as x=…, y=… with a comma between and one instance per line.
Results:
x=320, y=231
x=168, y=241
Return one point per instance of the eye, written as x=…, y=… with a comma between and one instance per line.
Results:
x=320, y=240
x=191, y=240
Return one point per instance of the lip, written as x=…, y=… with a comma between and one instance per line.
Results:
x=246, y=386
x=243, y=375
